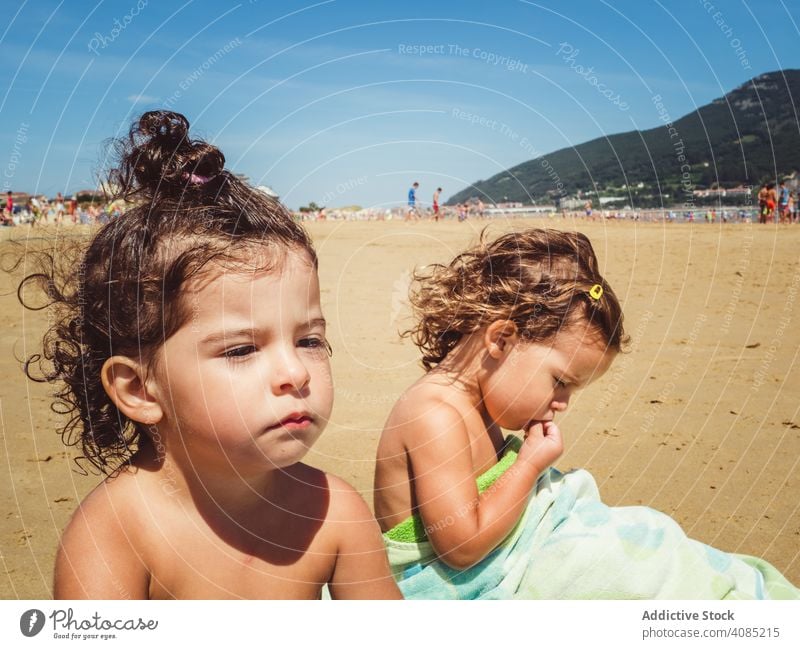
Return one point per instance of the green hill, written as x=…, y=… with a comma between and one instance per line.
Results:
x=748, y=136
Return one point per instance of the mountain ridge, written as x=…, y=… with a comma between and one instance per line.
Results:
x=749, y=135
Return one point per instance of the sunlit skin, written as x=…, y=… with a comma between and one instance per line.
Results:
x=257, y=364
x=445, y=431
x=220, y=505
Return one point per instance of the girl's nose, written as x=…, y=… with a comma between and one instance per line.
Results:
x=289, y=374
x=560, y=403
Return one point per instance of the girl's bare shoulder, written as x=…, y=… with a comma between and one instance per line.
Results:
x=318, y=495
x=432, y=403
x=118, y=493
x=101, y=552
x=123, y=503
x=334, y=504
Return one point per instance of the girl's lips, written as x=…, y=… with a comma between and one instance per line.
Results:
x=294, y=422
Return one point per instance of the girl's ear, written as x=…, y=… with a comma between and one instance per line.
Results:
x=500, y=337
x=123, y=380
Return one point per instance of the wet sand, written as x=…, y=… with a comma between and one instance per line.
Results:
x=700, y=419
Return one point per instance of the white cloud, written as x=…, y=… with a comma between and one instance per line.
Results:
x=142, y=99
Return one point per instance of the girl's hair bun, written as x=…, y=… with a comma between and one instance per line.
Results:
x=158, y=159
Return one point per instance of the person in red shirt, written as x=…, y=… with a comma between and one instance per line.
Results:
x=8, y=212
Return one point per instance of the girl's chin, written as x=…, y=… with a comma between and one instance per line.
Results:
x=279, y=455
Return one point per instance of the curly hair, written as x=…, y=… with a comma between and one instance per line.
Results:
x=121, y=294
x=542, y=280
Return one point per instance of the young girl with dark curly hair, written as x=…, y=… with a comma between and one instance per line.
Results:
x=508, y=332
x=190, y=345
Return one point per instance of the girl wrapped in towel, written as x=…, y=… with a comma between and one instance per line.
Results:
x=508, y=332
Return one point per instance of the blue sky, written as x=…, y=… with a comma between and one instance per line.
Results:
x=343, y=102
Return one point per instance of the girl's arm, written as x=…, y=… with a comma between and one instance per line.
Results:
x=362, y=569
x=462, y=525
x=96, y=559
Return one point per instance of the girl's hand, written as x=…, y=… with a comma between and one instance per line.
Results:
x=542, y=444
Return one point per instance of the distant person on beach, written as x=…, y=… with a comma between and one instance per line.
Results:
x=411, y=212
x=94, y=213
x=191, y=359
x=783, y=202
x=59, y=208
x=508, y=331
x=72, y=209
x=38, y=210
x=772, y=202
x=8, y=209
x=436, y=196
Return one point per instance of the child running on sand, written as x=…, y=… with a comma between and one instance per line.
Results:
x=192, y=353
x=508, y=332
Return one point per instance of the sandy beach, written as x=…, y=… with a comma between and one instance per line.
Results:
x=700, y=419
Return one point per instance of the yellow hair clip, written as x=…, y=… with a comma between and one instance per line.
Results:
x=596, y=292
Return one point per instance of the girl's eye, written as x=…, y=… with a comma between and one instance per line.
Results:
x=315, y=343
x=559, y=383
x=239, y=352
